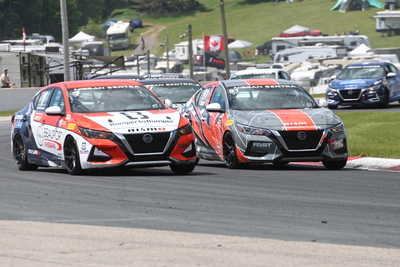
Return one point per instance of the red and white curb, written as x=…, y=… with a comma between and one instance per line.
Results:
x=367, y=163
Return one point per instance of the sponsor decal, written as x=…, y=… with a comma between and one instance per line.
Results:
x=149, y=129
x=71, y=126
x=261, y=145
x=84, y=148
x=106, y=149
x=37, y=118
x=52, y=144
x=33, y=152
x=229, y=122
x=294, y=120
x=45, y=133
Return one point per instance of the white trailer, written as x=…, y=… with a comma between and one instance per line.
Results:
x=301, y=54
x=119, y=35
x=388, y=22
x=182, y=49
x=349, y=41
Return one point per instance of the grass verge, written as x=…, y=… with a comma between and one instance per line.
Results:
x=372, y=134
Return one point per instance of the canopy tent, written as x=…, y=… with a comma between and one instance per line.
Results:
x=298, y=30
x=347, y=5
x=360, y=50
x=82, y=37
x=239, y=44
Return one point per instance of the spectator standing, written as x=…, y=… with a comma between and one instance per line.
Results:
x=5, y=80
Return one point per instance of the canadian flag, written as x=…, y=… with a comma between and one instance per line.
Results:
x=213, y=43
x=23, y=35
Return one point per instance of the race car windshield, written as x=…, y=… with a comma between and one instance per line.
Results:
x=112, y=98
x=361, y=72
x=269, y=97
x=177, y=93
x=254, y=76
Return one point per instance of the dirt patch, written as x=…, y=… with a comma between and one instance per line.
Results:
x=148, y=39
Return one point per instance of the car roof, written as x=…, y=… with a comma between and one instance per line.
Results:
x=258, y=71
x=92, y=83
x=243, y=82
x=368, y=63
x=120, y=76
x=168, y=80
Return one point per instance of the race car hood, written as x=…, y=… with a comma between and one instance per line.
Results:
x=288, y=119
x=135, y=121
x=354, y=83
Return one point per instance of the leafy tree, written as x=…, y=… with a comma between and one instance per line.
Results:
x=166, y=7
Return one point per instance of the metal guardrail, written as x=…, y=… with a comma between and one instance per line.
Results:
x=16, y=98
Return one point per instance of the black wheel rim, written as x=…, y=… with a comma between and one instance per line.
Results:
x=70, y=155
x=229, y=150
x=19, y=150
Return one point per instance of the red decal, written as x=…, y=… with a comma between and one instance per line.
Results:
x=253, y=82
x=295, y=120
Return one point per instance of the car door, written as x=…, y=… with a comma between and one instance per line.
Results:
x=49, y=130
x=213, y=122
x=393, y=83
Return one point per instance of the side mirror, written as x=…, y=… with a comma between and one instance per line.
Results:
x=168, y=103
x=214, y=107
x=54, y=111
x=391, y=75
x=322, y=103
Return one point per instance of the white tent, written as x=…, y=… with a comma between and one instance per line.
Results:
x=297, y=28
x=360, y=50
x=82, y=37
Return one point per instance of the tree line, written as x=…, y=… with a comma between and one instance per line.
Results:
x=44, y=16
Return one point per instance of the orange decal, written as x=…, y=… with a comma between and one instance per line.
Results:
x=71, y=126
x=262, y=82
x=295, y=120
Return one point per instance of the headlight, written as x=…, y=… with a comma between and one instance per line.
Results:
x=331, y=90
x=185, y=130
x=337, y=129
x=95, y=134
x=374, y=88
x=252, y=130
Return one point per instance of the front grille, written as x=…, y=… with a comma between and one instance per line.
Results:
x=294, y=143
x=350, y=94
x=157, y=145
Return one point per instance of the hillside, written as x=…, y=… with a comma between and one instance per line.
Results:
x=257, y=23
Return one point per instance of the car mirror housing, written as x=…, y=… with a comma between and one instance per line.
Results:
x=168, y=103
x=391, y=75
x=322, y=103
x=54, y=111
x=214, y=107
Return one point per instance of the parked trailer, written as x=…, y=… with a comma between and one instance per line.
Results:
x=388, y=22
x=349, y=41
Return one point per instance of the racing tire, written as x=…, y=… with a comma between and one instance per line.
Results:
x=230, y=158
x=385, y=103
x=182, y=168
x=20, y=155
x=334, y=165
x=71, y=157
x=332, y=106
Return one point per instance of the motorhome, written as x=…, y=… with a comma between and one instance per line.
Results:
x=349, y=41
x=388, y=22
x=301, y=54
x=182, y=49
x=119, y=35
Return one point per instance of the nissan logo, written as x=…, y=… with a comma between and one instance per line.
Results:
x=301, y=135
x=350, y=92
x=147, y=138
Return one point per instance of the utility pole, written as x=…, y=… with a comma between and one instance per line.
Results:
x=189, y=33
x=226, y=52
x=167, y=46
x=65, y=39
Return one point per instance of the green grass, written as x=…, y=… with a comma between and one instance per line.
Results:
x=373, y=134
x=258, y=23
x=7, y=113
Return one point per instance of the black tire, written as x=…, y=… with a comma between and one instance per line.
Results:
x=20, y=155
x=71, y=157
x=183, y=168
x=332, y=106
x=334, y=165
x=385, y=103
x=230, y=158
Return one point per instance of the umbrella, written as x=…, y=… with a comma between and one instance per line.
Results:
x=240, y=44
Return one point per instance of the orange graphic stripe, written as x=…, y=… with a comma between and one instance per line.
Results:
x=295, y=120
